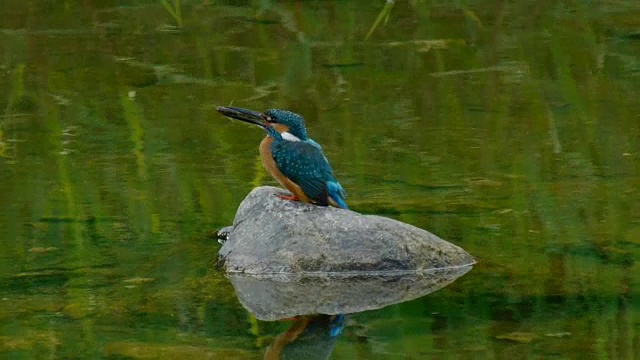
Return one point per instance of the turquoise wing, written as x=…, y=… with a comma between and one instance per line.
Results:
x=304, y=163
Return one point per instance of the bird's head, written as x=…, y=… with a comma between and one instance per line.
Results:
x=289, y=125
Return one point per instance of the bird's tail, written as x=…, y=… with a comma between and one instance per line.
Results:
x=336, y=194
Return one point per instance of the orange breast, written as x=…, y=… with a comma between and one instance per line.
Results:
x=270, y=165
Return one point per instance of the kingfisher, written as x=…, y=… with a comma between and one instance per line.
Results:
x=296, y=161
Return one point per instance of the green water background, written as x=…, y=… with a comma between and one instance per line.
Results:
x=511, y=129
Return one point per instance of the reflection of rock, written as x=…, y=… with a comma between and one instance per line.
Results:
x=278, y=296
x=274, y=235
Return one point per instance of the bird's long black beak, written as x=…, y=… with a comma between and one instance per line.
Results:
x=249, y=116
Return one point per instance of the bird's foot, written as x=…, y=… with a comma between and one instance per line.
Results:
x=288, y=197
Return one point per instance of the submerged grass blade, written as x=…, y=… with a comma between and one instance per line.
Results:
x=473, y=17
x=17, y=90
x=174, y=10
x=260, y=175
x=383, y=15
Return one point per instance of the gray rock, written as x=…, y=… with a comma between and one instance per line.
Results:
x=271, y=235
x=279, y=296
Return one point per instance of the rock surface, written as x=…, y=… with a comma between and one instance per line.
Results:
x=271, y=235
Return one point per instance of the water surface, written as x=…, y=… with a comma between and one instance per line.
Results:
x=511, y=129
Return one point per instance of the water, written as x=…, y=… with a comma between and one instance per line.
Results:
x=509, y=129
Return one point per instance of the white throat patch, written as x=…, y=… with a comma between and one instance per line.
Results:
x=289, y=136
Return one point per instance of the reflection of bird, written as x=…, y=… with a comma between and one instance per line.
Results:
x=292, y=158
x=309, y=337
